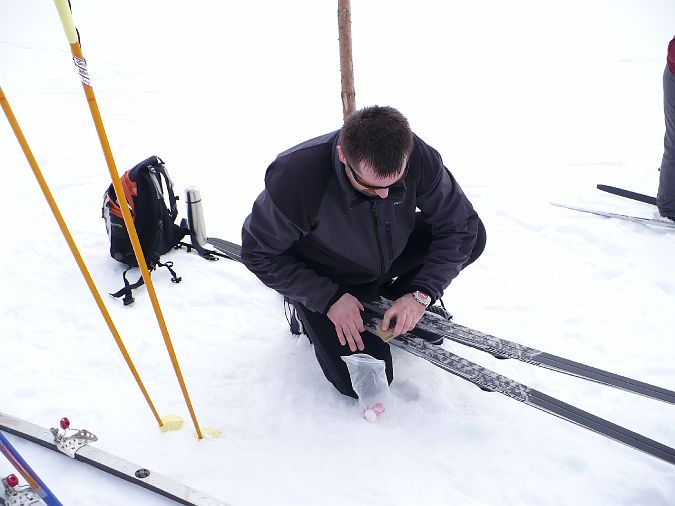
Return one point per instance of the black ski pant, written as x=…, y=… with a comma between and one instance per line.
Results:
x=321, y=330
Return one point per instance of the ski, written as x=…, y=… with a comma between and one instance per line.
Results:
x=663, y=223
x=76, y=446
x=491, y=381
x=435, y=325
x=640, y=197
x=230, y=249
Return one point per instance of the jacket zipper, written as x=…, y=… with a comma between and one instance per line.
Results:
x=376, y=222
x=390, y=241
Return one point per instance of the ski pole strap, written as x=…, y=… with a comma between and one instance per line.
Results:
x=128, y=287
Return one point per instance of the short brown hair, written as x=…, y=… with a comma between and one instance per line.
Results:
x=379, y=137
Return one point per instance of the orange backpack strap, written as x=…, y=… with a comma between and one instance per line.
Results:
x=130, y=190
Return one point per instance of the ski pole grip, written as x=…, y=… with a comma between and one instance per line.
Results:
x=67, y=20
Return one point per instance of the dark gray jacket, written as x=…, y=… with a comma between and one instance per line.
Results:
x=311, y=235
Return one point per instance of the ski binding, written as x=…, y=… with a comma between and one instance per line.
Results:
x=18, y=495
x=71, y=444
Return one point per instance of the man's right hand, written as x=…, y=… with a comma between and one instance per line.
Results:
x=345, y=314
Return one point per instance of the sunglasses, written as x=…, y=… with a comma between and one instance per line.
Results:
x=358, y=179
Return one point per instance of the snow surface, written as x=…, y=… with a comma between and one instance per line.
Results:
x=528, y=102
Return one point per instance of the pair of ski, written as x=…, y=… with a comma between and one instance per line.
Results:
x=434, y=326
x=647, y=199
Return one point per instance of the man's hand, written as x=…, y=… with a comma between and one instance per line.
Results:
x=407, y=312
x=345, y=314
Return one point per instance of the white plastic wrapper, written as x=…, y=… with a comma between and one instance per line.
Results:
x=369, y=381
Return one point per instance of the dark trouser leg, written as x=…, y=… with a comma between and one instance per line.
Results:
x=406, y=266
x=666, y=194
x=328, y=349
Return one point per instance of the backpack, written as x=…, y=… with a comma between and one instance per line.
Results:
x=153, y=219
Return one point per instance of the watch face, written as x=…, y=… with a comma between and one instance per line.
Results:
x=422, y=297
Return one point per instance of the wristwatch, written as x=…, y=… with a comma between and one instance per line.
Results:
x=422, y=298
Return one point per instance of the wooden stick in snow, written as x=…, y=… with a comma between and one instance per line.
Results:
x=346, y=65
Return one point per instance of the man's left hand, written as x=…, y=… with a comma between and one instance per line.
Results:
x=407, y=312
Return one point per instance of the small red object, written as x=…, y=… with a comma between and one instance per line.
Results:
x=65, y=423
x=12, y=480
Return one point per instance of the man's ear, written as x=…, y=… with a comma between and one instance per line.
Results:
x=341, y=155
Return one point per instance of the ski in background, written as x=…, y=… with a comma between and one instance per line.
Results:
x=663, y=223
x=492, y=382
x=13, y=494
x=76, y=445
x=640, y=197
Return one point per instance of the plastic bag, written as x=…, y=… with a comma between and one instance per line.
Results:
x=369, y=381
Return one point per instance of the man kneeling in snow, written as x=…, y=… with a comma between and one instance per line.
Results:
x=337, y=222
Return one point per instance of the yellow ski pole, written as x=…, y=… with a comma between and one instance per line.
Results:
x=81, y=64
x=73, y=248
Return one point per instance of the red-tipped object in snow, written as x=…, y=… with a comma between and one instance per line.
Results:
x=12, y=480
